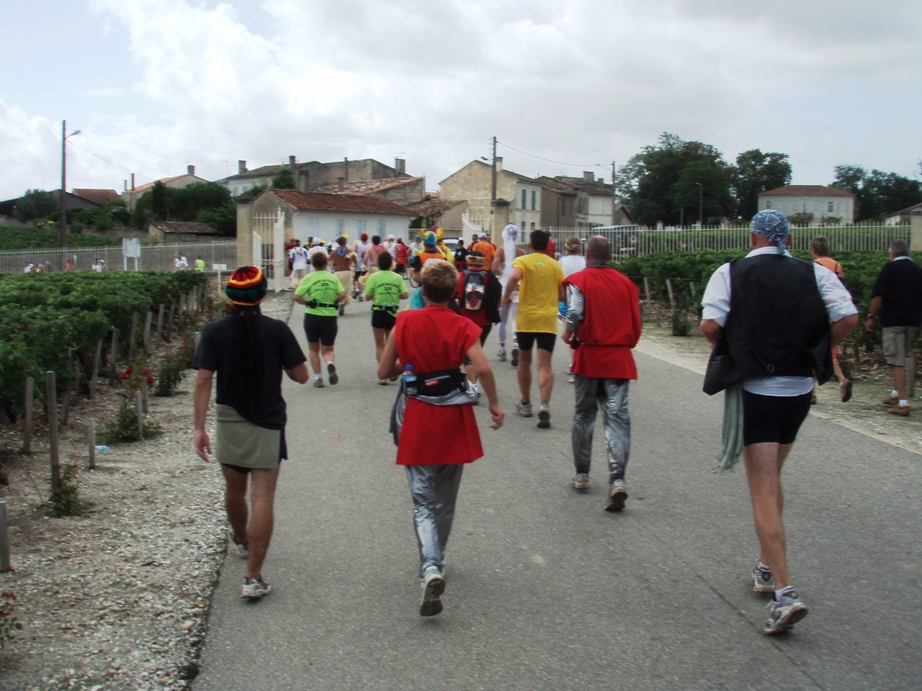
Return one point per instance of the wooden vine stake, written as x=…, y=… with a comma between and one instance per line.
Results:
x=133, y=337
x=160, y=322
x=97, y=354
x=113, y=357
x=91, y=437
x=147, y=323
x=52, y=403
x=5, y=564
x=139, y=403
x=27, y=421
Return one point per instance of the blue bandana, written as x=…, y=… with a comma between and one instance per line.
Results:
x=773, y=225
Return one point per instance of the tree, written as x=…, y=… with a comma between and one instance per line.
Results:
x=877, y=193
x=659, y=183
x=158, y=206
x=36, y=204
x=756, y=172
x=206, y=202
x=284, y=179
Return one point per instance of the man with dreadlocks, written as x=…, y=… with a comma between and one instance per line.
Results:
x=249, y=352
x=774, y=314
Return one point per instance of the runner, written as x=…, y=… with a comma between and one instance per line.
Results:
x=461, y=257
x=320, y=291
x=343, y=260
x=249, y=352
x=478, y=295
x=571, y=263
x=386, y=289
x=400, y=257
x=371, y=260
x=508, y=311
x=431, y=341
x=316, y=248
x=360, y=248
x=298, y=258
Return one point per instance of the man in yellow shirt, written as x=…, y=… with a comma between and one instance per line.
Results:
x=539, y=280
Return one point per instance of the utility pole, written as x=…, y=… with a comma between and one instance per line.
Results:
x=700, y=206
x=614, y=194
x=493, y=189
x=63, y=184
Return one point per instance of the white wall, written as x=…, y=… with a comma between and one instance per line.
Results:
x=842, y=207
x=326, y=224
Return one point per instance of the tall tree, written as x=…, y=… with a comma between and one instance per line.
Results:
x=36, y=204
x=877, y=193
x=757, y=172
x=158, y=204
x=284, y=179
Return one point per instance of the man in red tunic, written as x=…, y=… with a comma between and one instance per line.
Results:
x=436, y=340
x=603, y=325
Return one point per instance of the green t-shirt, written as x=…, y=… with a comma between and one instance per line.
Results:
x=323, y=287
x=386, y=287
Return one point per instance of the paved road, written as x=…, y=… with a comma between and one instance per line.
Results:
x=545, y=589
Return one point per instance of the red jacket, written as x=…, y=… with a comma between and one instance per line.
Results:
x=611, y=324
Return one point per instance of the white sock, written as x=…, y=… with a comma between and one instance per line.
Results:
x=763, y=567
x=318, y=376
x=894, y=393
x=787, y=590
x=904, y=403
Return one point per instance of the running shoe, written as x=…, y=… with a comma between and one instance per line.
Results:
x=318, y=383
x=890, y=400
x=544, y=416
x=342, y=310
x=515, y=356
x=784, y=613
x=845, y=390
x=616, y=496
x=901, y=410
x=523, y=409
x=331, y=370
x=501, y=354
x=254, y=588
x=433, y=587
x=762, y=581
x=241, y=548
x=382, y=382
x=580, y=481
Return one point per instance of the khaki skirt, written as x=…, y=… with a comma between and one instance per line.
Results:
x=239, y=442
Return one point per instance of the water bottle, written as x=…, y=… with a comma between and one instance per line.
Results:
x=102, y=448
x=409, y=381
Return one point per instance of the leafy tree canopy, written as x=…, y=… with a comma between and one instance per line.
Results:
x=877, y=193
x=36, y=204
x=756, y=172
x=207, y=202
x=284, y=179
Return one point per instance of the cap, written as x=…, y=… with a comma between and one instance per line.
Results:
x=246, y=286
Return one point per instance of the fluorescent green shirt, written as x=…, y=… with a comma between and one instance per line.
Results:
x=386, y=287
x=322, y=287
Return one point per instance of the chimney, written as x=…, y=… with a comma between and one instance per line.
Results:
x=292, y=160
x=126, y=185
x=241, y=167
x=132, y=182
x=400, y=166
x=345, y=170
x=304, y=181
x=588, y=176
x=342, y=184
x=601, y=181
x=499, y=164
x=190, y=170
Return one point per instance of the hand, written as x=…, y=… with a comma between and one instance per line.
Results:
x=567, y=336
x=496, y=412
x=202, y=444
x=869, y=324
x=506, y=300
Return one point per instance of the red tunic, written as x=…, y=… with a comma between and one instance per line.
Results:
x=435, y=339
x=611, y=324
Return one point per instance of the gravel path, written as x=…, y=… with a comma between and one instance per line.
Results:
x=116, y=598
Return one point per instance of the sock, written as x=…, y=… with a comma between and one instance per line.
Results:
x=904, y=403
x=894, y=393
x=763, y=568
x=318, y=376
x=787, y=590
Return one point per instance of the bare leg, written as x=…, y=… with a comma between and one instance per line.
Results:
x=545, y=375
x=523, y=371
x=899, y=382
x=380, y=340
x=262, y=495
x=763, y=471
x=314, y=355
x=235, y=502
x=327, y=352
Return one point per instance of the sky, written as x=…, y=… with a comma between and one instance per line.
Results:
x=565, y=86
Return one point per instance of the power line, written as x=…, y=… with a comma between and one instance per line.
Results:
x=106, y=160
x=550, y=160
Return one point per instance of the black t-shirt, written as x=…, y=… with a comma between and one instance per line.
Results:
x=280, y=350
x=899, y=283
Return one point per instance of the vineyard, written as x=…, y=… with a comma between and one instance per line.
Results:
x=59, y=322
x=49, y=238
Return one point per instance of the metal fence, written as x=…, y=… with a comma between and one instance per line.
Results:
x=217, y=254
x=638, y=241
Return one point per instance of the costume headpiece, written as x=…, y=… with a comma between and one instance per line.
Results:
x=246, y=286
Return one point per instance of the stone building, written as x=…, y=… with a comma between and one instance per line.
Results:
x=813, y=203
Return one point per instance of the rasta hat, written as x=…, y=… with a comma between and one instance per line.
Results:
x=772, y=225
x=429, y=238
x=246, y=286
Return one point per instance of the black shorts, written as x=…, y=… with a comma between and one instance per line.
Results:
x=484, y=332
x=321, y=329
x=773, y=419
x=527, y=340
x=401, y=269
x=380, y=319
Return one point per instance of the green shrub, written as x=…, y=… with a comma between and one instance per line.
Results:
x=8, y=623
x=65, y=501
x=124, y=428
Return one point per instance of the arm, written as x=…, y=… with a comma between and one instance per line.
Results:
x=711, y=330
x=842, y=328
x=512, y=285
x=404, y=295
x=298, y=373
x=876, y=303
x=341, y=296
x=201, y=398
x=575, y=311
x=496, y=265
x=300, y=299
x=485, y=375
x=389, y=366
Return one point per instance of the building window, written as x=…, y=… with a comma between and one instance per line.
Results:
x=382, y=227
x=768, y=205
x=360, y=227
x=313, y=227
x=532, y=225
x=524, y=199
x=534, y=200
x=601, y=207
x=830, y=207
x=340, y=227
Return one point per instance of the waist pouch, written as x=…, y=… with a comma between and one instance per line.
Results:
x=385, y=308
x=313, y=304
x=448, y=387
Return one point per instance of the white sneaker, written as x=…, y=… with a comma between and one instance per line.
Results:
x=433, y=587
x=254, y=588
x=241, y=548
x=501, y=354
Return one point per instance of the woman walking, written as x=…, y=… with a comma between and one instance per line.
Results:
x=320, y=292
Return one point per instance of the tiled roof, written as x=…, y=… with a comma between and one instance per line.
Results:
x=150, y=185
x=506, y=171
x=349, y=203
x=96, y=196
x=907, y=210
x=185, y=228
x=261, y=172
x=430, y=207
x=366, y=187
x=594, y=187
x=558, y=186
x=806, y=191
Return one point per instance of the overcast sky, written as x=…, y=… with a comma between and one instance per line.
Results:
x=154, y=85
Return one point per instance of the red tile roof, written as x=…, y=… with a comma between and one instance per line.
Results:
x=96, y=196
x=366, y=187
x=807, y=191
x=349, y=203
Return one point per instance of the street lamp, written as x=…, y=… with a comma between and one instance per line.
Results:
x=64, y=138
x=700, y=205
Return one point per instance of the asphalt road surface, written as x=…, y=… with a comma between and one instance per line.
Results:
x=545, y=590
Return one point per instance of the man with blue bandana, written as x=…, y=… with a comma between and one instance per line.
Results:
x=774, y=313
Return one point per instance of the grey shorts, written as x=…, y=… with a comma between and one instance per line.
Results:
x=898, y=344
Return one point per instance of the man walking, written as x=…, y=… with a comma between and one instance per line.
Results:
x=774, y=312
x=249, y=352
x=539, y=280
x=897, y=297
x=602, y=326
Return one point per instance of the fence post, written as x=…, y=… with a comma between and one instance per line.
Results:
x=97, y=354
x=147, y=322
x=160, y=323
x=5, y=564
x=113, y=357
x=139, y=403
x=671, y=298
x=133, y=338
x=915, y=230
x=144, y=396
x=52, y=403
x=91, y=435
x=169, y=327
x=27, y=421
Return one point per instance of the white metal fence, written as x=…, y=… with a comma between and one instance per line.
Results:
x=153, y=257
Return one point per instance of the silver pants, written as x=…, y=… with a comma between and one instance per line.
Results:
x=434, y=489
x=611, y=396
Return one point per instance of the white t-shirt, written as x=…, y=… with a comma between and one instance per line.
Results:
x=314, y=250
x=298, y=258
x=572, y=263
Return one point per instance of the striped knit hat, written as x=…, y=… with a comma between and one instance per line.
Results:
x=246, y=286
